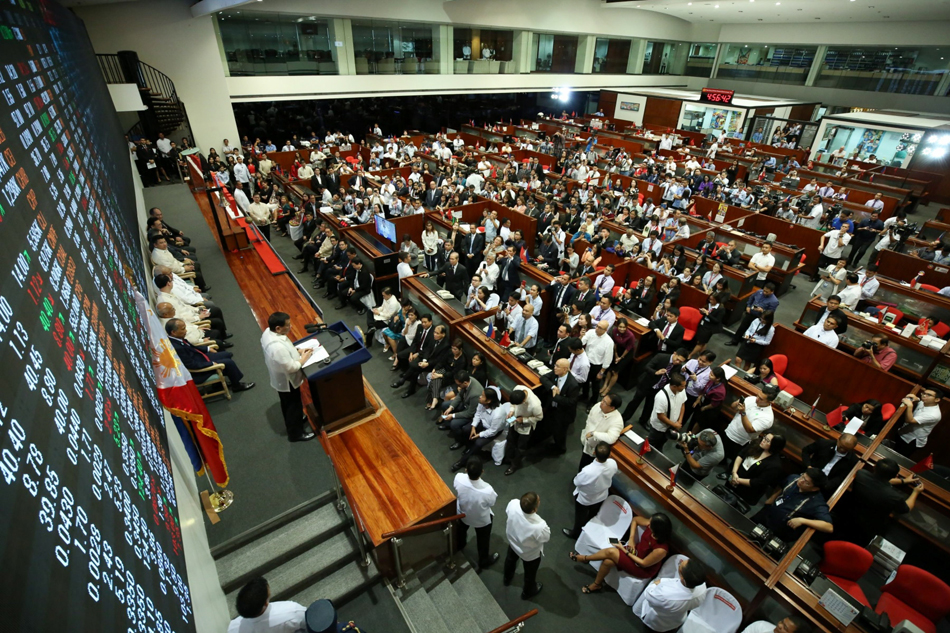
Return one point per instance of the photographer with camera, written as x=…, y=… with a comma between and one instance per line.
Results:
x=873, y=498
x=877, y=352
x=701, y=452
x=754, y=415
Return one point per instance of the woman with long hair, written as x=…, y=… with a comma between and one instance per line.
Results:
x=755, y=339
x=624, y=344
x=757, y=468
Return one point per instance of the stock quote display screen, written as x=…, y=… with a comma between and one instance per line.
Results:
x=89, y=532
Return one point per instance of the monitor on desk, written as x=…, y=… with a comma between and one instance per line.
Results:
x=386, y=229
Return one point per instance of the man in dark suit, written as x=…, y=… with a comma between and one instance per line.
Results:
x=461, y=409
x=341, y=280
x=431, y=354
x=433, y=196
x=198, y=357
x=562, y=294
x=470, y=246
x=548, y=253
x=669, y=334
x=708, y=245
x=357, y=182
x=562, y=345
x=565, y=392
x=319, y=182
x=509, y=275
x=654, y=377
x=585, y=297
x=359, y=285
x=835, y=458
x=453, y=276
x=421, y=345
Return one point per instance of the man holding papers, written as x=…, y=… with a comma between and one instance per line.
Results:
x=285, y=366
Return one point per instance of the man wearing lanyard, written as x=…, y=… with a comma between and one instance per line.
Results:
x=706, y=407
x=603, y=312
x=697, y=371
x=760, y=302
x=605, y=282
x=797, y=505
x=867, y=279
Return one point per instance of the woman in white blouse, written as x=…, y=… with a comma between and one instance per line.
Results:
x=430, y=245
x=710, y=278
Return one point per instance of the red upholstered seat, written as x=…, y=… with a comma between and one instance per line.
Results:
x=941, y=329
x=615, y=291
x=929, y=287
x=633, y=284
x=689, y=319
x=844, y=564
x=915, y=595
x=887, y=411
x=780, y=364
x=898, y=315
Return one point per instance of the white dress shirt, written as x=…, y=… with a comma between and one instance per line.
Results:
x=185, y=291
x=475, y=500
x=241, y=173
x=491, y=421
x=927, y=418
x=868, y=285
x=604, y=284
x=593, y=481
x=521, y=328
x=282, y=360
x=278, y=617
x=762, y=260
x=530, y=411
x=669, y=404
x=161, y=257
x=580, y=367
x=605, y=427
x=761, y=419
x=388, y=308
x=527, y=533
x=820, y=334
x=813, y=220
x=666, y=604
x=600, y=349
x=183, y=311
x=850, y=295
x=599, y=314
x=832, y=247
x=240, y=198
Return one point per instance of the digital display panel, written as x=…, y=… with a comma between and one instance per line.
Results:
x=89, y=531
x=713, y=95
x=385, y=228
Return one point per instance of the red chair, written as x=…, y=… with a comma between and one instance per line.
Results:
x=633, y=284
x=929, y=287
x=843, y=564
x=689, y=319
x=941, y=329
x=616, y=290
x=887, y=411
x=780, y=364
x=834, y=418
x=898, y=315
x=915, y=595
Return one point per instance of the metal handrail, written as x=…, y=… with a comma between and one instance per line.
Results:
x=354, y=510
x=517, y=624
x=415, y=529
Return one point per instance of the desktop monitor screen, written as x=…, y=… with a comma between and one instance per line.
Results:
x=386, y=229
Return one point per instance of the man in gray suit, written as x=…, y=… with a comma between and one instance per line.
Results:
x=461, y=409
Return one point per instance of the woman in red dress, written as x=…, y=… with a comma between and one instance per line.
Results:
x=641, y=558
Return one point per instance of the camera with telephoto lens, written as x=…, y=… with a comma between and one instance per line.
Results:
x=906, y=230
x=680, y=436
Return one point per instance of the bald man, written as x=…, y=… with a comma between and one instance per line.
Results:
x=835, y=458
x=194, y=334
x=523, y=328
x=565, y=392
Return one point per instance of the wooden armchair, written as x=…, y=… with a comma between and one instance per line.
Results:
x=215, y=375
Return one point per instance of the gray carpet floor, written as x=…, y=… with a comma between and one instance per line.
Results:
x=270, y=475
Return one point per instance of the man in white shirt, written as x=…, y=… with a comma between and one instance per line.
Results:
x=753, y=416
x=240, y=198
x=600, y=353
x=666, y=602
x=812, y=219
x=241, y=173
x=257, y=614
x=824, y=332
x=526, y=412
x=666, y=142
x=579, y=363
x=604, y=423
x=605, y=281
x=380, y=315
x=762, y=263
x=832, y=245
x=285, y=366
x=921, y=415
x=262, y=215
x=476, y=498
x=305, y=172
x=476, y=180
x=524, y=328
x=603, y=312
x=669, y=407
x=791, y=624
x=527, y=533
x=591, y=486
x=867, y=280
x=875, y=203
x=851, y=293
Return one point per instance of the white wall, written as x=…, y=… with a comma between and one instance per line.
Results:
x=332, y=87
x=166, y=36
x=858, y=34
x=629, y=115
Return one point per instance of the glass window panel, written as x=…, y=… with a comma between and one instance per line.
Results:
x=699, y=62
x=555, y=53
x=762, y=62
x=906, y=70
x=260, y=43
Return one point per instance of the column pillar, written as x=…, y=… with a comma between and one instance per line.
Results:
x=816, y=64
x=638, y=49
x=445, y=34
x=341, y=31
x=522, y=53
x=720, y=50
x=584, y=60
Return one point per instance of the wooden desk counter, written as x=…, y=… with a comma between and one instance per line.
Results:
x=390, y=480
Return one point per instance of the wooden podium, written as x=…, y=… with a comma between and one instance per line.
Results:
x=337, y=383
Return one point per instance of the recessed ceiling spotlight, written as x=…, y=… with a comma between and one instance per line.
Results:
x=716, y=7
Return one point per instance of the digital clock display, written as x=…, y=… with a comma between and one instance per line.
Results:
x=89, y=531
x=713, y=95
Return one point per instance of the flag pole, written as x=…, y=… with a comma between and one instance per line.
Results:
x=222, y=499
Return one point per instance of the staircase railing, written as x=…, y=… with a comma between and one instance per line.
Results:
x=157, y=88
x=396, y=539
x=515, y=625
x=341, y=492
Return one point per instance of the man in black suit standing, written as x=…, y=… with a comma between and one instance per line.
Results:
x=359, y=287
x=509, y=276
x=562, y=294
x=835, y=458
x=433, y=196
x=471, y=245
x=585, y=297
x=357, y=182
x=565, y=391
x=198, y=357
x=562, y=345
x=669, y=333
x=414, y=351
x=431, y=354
x=452, y=276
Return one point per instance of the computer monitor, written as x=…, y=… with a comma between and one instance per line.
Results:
x=386, y=229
